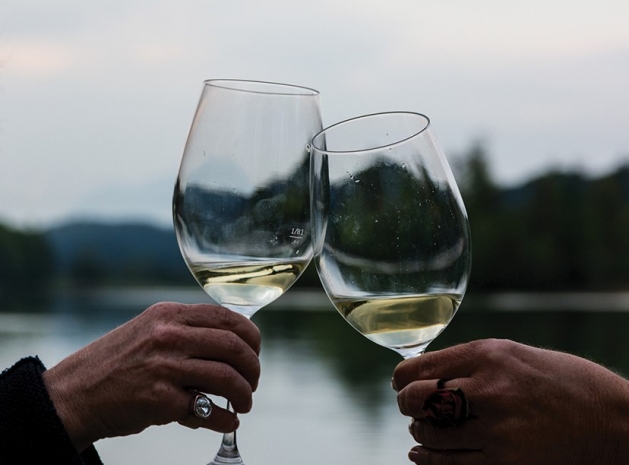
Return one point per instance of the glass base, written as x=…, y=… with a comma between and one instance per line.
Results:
x=223, y=460
x=228, y=452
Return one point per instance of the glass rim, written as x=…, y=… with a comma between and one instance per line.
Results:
x=367, y=116
x=258, y=87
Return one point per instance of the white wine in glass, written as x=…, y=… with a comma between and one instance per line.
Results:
x=241, y=202
x=390, y=231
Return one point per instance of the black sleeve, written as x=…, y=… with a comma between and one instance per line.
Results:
x=30, y=429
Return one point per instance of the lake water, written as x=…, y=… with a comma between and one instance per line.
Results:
x=324, y=394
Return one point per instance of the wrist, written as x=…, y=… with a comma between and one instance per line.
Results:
x=66, y=398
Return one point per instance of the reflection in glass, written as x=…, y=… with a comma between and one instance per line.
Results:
x=392, y=239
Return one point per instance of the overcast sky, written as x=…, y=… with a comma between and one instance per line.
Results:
x=96, y=98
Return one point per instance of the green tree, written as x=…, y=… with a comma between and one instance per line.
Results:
x=25, y=263
x=494, y=237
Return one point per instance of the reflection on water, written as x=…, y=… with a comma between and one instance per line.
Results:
x=324, y=395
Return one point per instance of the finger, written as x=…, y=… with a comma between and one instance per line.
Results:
x=411, y=399
x=213, y=316
x=224, y=346
x=220, y=420
x=220, y=379
x=468, y=436
x=454, y=362
x=425, y=456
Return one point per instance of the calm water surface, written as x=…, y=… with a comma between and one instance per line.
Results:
x=324, y=394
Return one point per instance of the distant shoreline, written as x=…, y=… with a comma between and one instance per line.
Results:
x=316, y=299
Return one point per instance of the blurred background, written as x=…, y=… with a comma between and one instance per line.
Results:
x=529, y=100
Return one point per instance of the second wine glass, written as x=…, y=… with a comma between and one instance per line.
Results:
x=241, y=205
x=391, y=234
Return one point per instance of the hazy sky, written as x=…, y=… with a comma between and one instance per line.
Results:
x=96, y=98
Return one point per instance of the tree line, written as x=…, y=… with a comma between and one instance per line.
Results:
x=26, y=264
x=560, y=231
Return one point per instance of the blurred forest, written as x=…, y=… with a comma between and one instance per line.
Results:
x=560, y=231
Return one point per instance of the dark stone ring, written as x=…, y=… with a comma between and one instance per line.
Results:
x=445, y=407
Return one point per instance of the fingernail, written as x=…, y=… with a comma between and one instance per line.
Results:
x=393, y=386
x=413, y=456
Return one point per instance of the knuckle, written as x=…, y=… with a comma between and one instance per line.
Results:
x=226, y=375
x=162, y=309
x=155, y=309
x=224, y=317
x=232, y=344
x=162, y=370
x=238, y=324
x=160, y=390
x=155, y=401
x=244, y=357
x=166, y=335
x=499, y=345
x=492, y=349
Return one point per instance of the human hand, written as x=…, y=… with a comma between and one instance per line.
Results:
x=528, y=406
x=145, y=371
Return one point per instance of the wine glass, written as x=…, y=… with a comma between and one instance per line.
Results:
x=241, y=202
x=390, y=231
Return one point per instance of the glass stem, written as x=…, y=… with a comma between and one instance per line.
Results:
x=228, y=452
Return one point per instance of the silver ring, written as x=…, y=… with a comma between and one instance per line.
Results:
x=202, y=406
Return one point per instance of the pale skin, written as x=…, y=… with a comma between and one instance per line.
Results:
x=529, y=406
x=146, y=372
